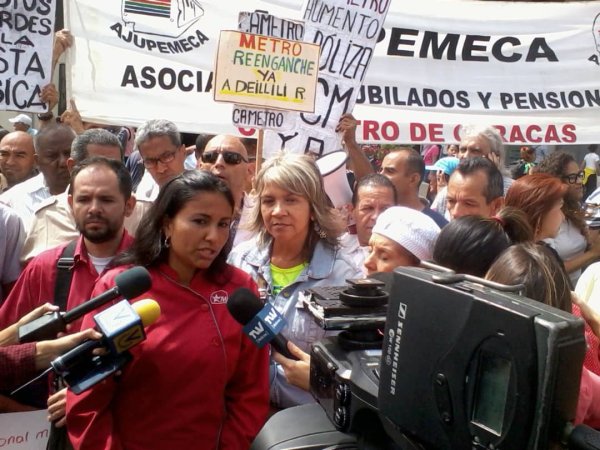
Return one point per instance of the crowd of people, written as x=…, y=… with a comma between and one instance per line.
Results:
x=205, y=222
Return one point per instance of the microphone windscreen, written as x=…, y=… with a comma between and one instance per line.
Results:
x=133, y=282
x=243, y=305
x=148, y=310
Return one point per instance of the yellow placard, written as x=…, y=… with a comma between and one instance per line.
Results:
x=265, y=71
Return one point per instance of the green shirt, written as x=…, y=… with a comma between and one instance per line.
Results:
x=284, y=277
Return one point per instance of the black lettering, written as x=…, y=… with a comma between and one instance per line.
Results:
x=497, y=49
x=129, y=77
x=310, y=146
x=448, y=45
x=148, y=78
x=396, y=41
x=471, y=46
x=539, y=48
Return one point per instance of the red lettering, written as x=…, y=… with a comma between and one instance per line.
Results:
x=247, y=131
x=247, y=40
x=418, y=132
x=370, y=128
x=529, y=133
x=436, y=131
x=390, y=131
x=551, y=134
x=569, y=133
x=456, y=133
x=516, y=135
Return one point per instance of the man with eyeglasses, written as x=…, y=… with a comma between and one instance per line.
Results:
x=227, y=158
x=163, y=153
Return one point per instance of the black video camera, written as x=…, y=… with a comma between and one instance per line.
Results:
x=465, y=363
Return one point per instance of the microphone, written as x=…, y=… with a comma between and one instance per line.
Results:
x=122, y=327
x=129, y=284
x=262, y=323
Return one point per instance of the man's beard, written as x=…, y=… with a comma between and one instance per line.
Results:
x=102, y=234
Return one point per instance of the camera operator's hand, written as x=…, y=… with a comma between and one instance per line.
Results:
x=10, y=336
x=297, y=373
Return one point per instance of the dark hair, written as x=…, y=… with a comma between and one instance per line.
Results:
x=40, y=138
x=118, y=168
x=535, y=195
x=201, y=142
x=97, y=136
x=536, y=267
x=470, y=244
x=148, y=248
x=373, y=179
x=414, y=162
x=495, y=182
x=556, y=164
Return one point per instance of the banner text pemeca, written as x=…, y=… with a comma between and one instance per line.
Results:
x=532, y=71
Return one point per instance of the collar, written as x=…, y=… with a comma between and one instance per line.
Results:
x=319, y=267
x=81, y=253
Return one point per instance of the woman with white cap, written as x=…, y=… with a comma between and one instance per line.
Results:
x=401, y=237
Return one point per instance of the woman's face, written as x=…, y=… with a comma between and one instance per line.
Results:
x=441, y=179
x=551, y=222
x=286, y=215
x=576, y=189
x=385, y=255
x=197, y=233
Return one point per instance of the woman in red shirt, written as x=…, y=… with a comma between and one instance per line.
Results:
x=197, y=381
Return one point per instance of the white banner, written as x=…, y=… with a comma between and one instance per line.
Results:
x=26, y=37
x=531, y=69
x=24, y=431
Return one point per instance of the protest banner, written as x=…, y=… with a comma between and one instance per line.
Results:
x=257, y=70
x=532, y=71
x=26, y=39
x=24, y=431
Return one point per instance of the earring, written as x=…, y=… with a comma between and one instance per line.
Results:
x=321, y=232
x=167, y=242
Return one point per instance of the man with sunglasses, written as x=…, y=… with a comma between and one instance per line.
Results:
x=163, y=154
x=227, y=158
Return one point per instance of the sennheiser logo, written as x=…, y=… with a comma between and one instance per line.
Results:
x=402, y=311
x=395, y=339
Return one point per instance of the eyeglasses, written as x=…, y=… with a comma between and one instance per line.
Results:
x=573, y=178
x=232, y=158
x=165, y=158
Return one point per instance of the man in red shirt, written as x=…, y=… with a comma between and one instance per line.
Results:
x=100, y=197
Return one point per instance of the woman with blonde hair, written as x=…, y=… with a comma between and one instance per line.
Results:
x=295, y=248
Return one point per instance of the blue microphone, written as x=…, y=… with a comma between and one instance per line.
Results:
x=262, y=323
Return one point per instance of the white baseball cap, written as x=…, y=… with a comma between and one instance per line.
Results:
x=21, y=118
x=410, y=228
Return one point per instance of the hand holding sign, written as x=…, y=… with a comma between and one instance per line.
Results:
x=72, y=118
x=49, y=95
x=63, y=39
x=347, y=126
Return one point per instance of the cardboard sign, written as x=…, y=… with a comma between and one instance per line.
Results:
x=258, y=70
x=24, y=431
x=26, y=37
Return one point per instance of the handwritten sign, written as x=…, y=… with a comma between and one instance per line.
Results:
x=24, y=431
x=266, y=71
x=346, y=31
x=26, y=36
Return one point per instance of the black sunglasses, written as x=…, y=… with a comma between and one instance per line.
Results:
x=232, y=158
